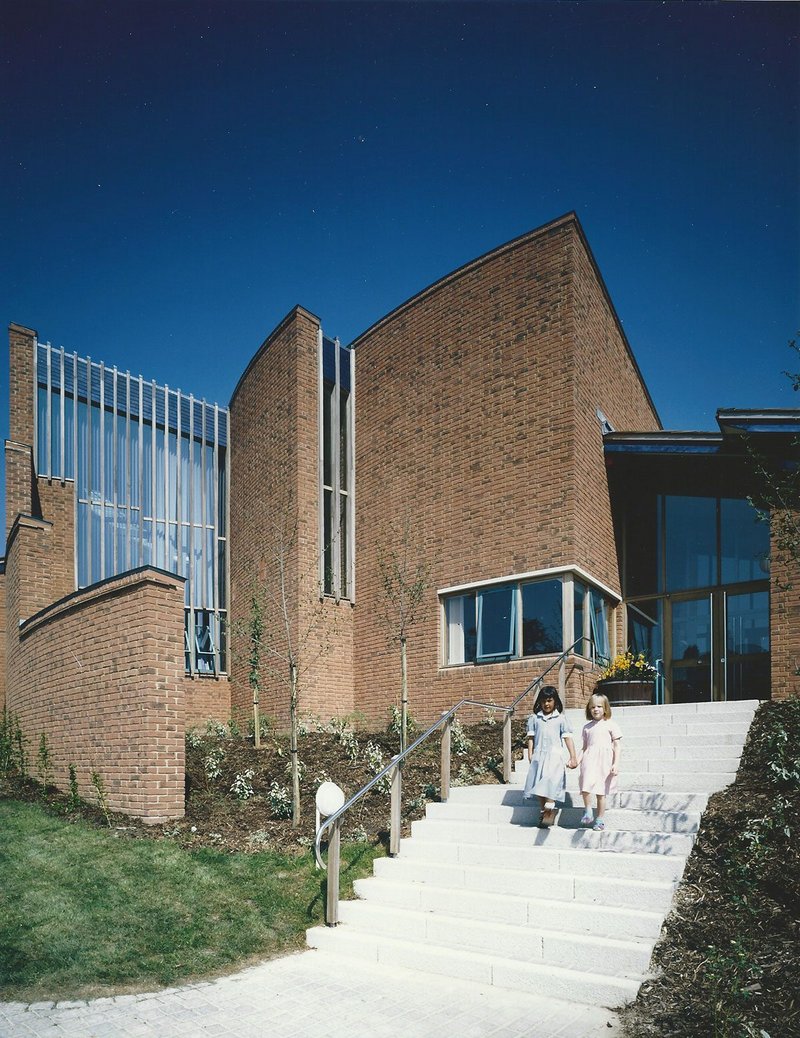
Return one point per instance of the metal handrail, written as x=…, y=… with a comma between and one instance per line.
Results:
x=398, y=760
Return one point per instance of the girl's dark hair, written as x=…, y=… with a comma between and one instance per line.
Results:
x=545, y=692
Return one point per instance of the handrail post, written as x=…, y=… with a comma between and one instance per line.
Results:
x=445, y=783
x=507, y=746
x=394, y=816
x=332, y=886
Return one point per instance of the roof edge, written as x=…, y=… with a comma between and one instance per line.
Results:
x=296, y=311
x=498, y=250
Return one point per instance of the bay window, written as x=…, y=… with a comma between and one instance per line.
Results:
x=503, y=620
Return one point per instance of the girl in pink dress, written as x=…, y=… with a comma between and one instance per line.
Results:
x=600, y=759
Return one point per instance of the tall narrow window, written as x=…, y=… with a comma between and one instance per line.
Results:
x=336, y=469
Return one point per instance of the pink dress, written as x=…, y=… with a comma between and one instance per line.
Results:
x=598, y=753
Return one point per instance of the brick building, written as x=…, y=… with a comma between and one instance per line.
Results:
x=495, y=427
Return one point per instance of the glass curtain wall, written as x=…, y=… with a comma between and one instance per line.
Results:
x=337, y=469
x=699, y=599
x=151, y=484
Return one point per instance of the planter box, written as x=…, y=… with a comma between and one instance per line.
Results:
x=628, y=693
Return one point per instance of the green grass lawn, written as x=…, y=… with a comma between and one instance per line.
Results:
x=83, y=913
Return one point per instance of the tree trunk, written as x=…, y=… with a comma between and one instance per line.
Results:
x=256, y=720
x=293, y=745
x=403, y=695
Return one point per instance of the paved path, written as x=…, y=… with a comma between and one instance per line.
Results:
x=308, y=995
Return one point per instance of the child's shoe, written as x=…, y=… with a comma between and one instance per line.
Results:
x=599, y=825
x=587, y=819
x=548, y=814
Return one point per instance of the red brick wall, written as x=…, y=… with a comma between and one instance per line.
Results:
x=20, y=481
x=274, y=501
x=57, y=500
x=207, y=699
x=785, y=625
x=101, y=674
x=2, y=635
x=468, y=422
x=21, y=387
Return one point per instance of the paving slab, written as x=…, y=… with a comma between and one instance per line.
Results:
x=311, y=993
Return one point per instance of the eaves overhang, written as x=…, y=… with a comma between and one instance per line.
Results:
x=663, y=443
x=771, y=421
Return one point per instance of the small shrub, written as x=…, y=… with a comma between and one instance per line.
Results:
x=242, y=785
x=44, y=764
x=460, y=742
x=73, y=799
x=373, y=759
x=212, y=764
x=217, y=729
x=396, y=722
x=301, y=768
x=345, y=734
x=463, y=778
x=194, y=738
x=280, y=800
x=102, y=795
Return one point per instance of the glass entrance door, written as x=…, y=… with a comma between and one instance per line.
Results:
x=747, y=645
x=719, y=647
x=689, y=668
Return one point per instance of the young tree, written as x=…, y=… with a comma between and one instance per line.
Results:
x=778, y=497
x=287, y=628
x=404, y=580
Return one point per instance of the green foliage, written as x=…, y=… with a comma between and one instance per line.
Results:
x=373, y=759
x=212, y=764
x=778, y=498
x=13, y=742
x=731, y=976
x=774, y=745
x=102, y=795
x=394, y=726
x=242, y=785
x=44, y=764
x=280, y=800
x=460, y=742
x=151, y=913
x=73, y=798
x=344, y=733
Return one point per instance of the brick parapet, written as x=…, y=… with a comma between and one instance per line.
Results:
x=21, y=384
x=101, y=674
x=20, y=482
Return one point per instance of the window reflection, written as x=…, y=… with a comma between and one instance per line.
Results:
x=691, y=549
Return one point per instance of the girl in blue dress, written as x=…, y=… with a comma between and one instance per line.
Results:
x=547, y=775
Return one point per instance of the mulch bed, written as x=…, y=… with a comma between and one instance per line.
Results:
x=216, y=817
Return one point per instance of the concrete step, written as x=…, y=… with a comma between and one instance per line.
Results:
x=722, y=740
x=556, y=837
x=585, y=887
x=666, y=868
x=476, y=967
x=739, y=711
x=480, y=892
x=529, y=814
x=636, y=800
x=674, y=727
x=604, y=955
x=515, y=909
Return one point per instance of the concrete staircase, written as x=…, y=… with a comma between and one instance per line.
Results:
x=479, y=892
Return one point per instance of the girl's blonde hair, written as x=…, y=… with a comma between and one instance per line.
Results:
x=606, y=705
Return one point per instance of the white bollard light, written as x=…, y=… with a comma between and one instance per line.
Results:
x=329, y=799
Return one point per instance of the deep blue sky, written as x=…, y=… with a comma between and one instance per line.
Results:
x=176, y=176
